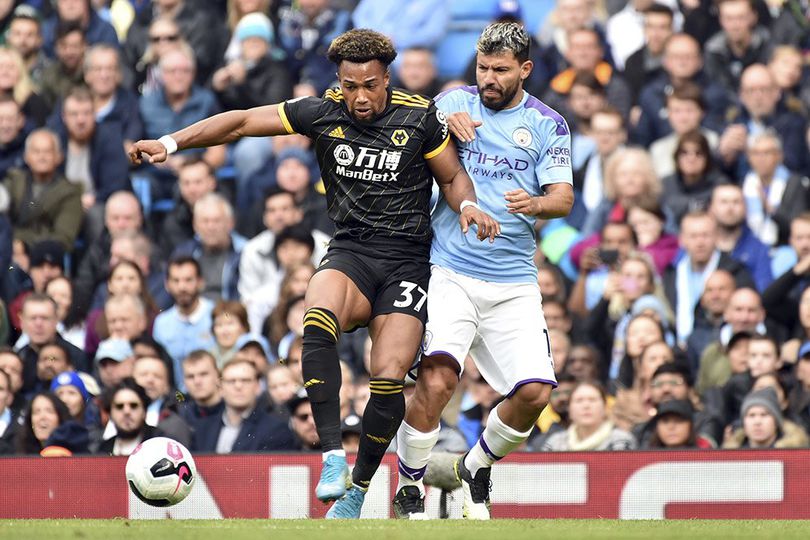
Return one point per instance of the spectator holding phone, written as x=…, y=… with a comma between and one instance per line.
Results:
x=607, y=322
x=595, y=264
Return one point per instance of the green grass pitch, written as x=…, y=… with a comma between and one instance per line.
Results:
x=395, y=530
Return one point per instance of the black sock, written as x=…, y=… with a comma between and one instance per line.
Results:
x=384, y=414
x=321, y=370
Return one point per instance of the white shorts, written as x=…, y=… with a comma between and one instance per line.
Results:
x=500, y=325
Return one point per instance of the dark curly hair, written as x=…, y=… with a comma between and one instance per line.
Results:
x=361, y=45
x=27, y=442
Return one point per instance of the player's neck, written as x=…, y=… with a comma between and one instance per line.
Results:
x=516, y=100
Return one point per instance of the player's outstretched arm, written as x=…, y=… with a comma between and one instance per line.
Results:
x=219, y=129
x=555, y=203
x=457, y=187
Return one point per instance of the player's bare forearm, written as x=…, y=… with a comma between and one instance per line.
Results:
x=230, y=126
x=458, y=189
x=219, y=129
x=555, y=203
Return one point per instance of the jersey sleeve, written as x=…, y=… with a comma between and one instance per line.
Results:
x=298, y=114
x=437, y=132
x=554, y=149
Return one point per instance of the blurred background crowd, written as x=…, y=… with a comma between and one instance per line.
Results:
x=169, y=298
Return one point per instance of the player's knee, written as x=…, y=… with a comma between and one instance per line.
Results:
x=439, y=381
x=533, y=396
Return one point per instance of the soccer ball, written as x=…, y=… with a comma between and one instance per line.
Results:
x=161, y=472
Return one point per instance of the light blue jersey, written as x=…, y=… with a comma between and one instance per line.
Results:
x=527, y=146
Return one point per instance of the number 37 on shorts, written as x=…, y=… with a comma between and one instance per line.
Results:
x=412, y=295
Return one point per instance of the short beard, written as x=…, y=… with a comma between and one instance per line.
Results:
x=508, y=96
x=187, y=305
x=129, y=435
x=732, y=227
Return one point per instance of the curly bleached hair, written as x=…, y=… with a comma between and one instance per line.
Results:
x=360, y=46
x=504, y=37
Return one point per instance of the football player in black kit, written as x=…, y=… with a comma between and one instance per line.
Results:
x=378, y=149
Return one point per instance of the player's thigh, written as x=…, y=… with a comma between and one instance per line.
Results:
x=334, y=290
x=512, y=347
x=452, y=318
x=395, y=340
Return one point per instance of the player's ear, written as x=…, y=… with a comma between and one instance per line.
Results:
x=526, y=69
x=387, y=77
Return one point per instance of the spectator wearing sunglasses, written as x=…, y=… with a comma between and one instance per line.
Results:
x=302, y=423
x=127, y=403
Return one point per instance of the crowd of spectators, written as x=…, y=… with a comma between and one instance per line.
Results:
x=168, y=299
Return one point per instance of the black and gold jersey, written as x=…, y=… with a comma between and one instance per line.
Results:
x=377, y=180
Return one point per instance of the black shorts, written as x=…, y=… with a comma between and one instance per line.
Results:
x=392, y=274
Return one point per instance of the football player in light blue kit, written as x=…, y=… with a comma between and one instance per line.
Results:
x=483, y=298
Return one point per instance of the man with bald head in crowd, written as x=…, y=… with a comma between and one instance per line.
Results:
x=216, y=246
x=761, y=108
x=44, y=205
x=136, y=247
x=125, y=317
x=195, y=179
x=709, y=314
x=122, y=213
x=744, y=313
